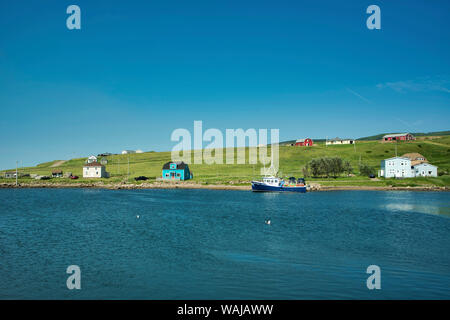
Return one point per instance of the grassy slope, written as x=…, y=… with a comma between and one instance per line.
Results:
x=292, y=159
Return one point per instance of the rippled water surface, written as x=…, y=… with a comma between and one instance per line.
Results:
x=209, y=244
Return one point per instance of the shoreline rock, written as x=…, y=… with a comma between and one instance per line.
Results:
x=180, y=185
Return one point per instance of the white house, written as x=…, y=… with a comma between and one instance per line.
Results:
x=91, y=159
x=339, y=141
x=401, y=167
x=128, y=151
x=425, y=170
x=397, y=167
x=94, y=170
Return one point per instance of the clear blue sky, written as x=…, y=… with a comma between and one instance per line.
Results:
x=137, y=70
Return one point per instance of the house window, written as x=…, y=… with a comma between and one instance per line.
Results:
x=178, y=175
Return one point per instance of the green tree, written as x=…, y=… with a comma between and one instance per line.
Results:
x=366, y=170
x=326, y=166
x=348, y=169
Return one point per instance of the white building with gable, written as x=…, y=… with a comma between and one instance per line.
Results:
x=397, y=167
x=400, y=167
x=94, y=170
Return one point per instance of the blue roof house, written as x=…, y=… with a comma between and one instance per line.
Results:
x=176, y=171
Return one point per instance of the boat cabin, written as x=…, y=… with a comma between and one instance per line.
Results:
x=272, y=181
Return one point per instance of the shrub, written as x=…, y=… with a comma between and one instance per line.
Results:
x=348, y=169
x=366, y=170
x=326, y=166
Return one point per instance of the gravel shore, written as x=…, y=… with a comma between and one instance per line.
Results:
x=189, y=185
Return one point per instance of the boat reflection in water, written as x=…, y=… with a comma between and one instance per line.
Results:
x=275, y=184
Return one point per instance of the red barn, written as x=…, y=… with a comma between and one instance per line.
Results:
x=398, y=137
x=304, y=142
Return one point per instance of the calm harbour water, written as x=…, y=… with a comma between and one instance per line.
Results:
x=210, y=244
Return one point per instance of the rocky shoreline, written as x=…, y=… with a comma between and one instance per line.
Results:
x=184, y=185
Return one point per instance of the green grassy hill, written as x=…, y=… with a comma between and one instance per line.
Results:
x=292, y=160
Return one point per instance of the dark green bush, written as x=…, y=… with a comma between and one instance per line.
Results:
x=366, y=170
x=326, y=166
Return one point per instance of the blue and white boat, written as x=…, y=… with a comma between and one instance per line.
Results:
x=275, y=184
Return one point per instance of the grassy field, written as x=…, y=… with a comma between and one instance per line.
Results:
x=292, y=160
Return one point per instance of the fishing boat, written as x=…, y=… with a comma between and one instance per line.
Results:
x=274, y=184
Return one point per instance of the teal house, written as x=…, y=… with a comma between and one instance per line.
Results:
x=176, y=171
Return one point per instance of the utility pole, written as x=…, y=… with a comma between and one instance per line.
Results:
x=395, y=148
x=17, y=174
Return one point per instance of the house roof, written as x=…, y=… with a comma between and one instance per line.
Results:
x=400, y=158
x=93, y=164
x=301, y=140
x=57, y=171
x=395, y=135
x=413, y=156
x=339, y=139
x=180, y=164
x=416, y=162
x=425, y=164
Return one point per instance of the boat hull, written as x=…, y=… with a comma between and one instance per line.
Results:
x=261, y=187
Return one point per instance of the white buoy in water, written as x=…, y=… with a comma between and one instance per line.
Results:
x=137, y=216
x=267, y=222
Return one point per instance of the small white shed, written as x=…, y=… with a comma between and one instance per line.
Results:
x=91, y=159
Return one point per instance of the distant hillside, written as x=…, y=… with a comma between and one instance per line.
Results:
x=379, y=136
x=417, y=134
x=291, y=161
